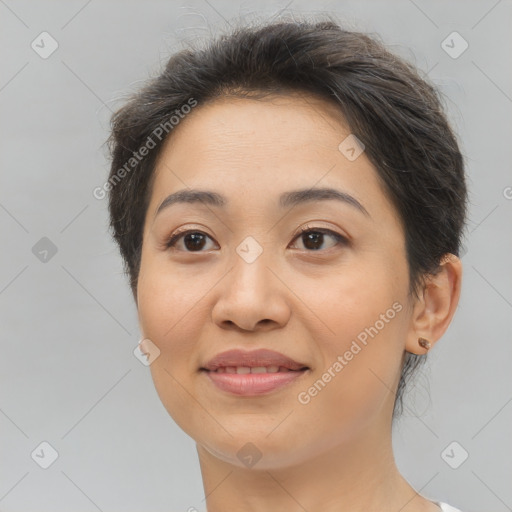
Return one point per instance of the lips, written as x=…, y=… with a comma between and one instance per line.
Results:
x=241, y=361
x=253, y=385
x=242, y=370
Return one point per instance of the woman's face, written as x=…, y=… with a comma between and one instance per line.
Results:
x=250, y=280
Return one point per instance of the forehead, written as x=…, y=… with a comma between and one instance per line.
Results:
x=229, y=125
x=252, y=150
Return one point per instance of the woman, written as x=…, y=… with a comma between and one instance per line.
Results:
x=289, y=202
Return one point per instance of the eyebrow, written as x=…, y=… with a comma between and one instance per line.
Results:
x=287, y=199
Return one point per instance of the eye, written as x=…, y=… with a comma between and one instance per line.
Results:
x=194, y=240
x=313, y=238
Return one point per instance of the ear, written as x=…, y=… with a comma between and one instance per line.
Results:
x=434, y=310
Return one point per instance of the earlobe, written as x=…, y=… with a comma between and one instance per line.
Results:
x=434, y=310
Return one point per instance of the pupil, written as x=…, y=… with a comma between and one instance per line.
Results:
x=315, y=238
x=196, y=239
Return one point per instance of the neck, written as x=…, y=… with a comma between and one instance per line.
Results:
x=355, y=476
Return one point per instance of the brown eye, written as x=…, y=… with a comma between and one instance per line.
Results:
x=194, y=241
x=313, y=238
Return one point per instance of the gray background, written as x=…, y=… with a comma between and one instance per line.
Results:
x=69, y=325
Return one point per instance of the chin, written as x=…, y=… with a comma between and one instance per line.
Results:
x=251, y=449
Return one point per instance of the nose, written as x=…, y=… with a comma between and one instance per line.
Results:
x=251, y=297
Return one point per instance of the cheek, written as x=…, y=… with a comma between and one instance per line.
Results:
x=171, y=314
x=362, y=348
x=164, y=297
x=355, y=303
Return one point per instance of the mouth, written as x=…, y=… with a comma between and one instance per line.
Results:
x=252, y=381
x=261, y=360
x=244, y=370
x=251, y=373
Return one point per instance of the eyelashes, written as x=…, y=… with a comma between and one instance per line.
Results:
x=172, y=241
x=308, y=230
x=197, y=238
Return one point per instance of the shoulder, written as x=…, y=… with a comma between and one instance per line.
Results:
x=447, y=508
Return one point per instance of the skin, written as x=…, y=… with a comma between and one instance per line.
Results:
x=333, y=453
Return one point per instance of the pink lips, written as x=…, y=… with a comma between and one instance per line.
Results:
x=251, y=384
